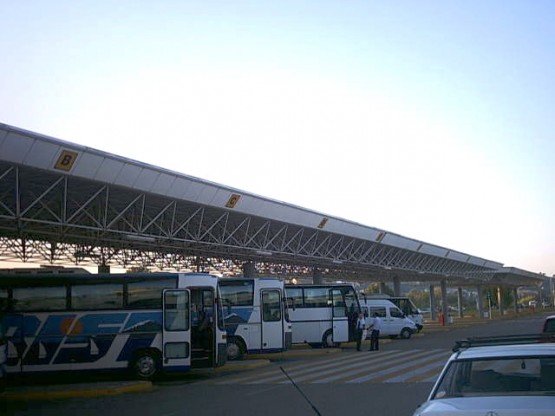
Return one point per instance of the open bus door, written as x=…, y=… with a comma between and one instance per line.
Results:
x=176, y=337
x=339, y=317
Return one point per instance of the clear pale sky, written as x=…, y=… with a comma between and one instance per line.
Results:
x=430, y=119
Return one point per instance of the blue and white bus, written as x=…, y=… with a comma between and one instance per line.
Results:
x=323, y=315
x=256, y=317
x=146, y=322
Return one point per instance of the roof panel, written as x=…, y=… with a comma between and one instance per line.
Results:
x=3, y=138
x=146, y=179
x=42, y=155
x=87, y=165
x=207, y=195
x=193, y=192
x=108, y=170
x=220, y=197
x=15, y=147
x=454, y=255
x=128, y=175
x=433, y=250
x=163, y=184
x=179, y=187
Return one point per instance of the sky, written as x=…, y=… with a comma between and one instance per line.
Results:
x=430, y=119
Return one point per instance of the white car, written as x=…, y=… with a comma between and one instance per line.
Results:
x=498, y=376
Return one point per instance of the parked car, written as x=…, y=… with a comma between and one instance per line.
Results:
x=549, y=325
x=502, y=376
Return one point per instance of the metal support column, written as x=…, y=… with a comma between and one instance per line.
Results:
x=433, y=303
x=317, y=277
x=249, y=269
x=480, y=302
x=444, y=306
x=500, y=301
x=460, y=300
x=515, y=296
x=396, y=286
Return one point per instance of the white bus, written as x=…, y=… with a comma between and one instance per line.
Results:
x=322, y=315
x=145, y=323
x=256, y=317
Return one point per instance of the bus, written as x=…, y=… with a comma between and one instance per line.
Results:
x=322, y=315
x=256, y=316
x=407, y=307
x=146, y=323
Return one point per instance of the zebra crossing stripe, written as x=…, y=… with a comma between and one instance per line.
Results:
x=389, y=366
x=399, y=360
x=431, y=373
x=293, y=369
x=317, y=370
x=373, y=360
x=388, y=371
x=406, y=373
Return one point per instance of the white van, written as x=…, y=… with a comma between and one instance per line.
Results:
x=394, y=322
x=407, y=307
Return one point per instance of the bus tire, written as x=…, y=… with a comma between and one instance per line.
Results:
x=327, y=340
x=146, y=365
x=235, y=349
x=406, y=333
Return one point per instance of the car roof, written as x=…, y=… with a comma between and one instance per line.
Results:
x=518, y=350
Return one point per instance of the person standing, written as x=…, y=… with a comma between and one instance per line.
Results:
x=375, y=327
x=360, y=326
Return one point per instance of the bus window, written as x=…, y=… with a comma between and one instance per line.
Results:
x=39, y=298
x=176, y=310
x=316, y=297
x=339, y=309
x=271, y=306
x=294, y=297
x=234, y=294
x=147, y=294
x=95, y=297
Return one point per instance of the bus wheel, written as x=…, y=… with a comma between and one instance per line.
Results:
x=327, y=340
x=406, y=333
x=145, y=366
x=235, y=349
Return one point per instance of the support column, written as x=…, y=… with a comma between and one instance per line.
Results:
x=460, y=300
x=480, y=302
x=396, y=286
x=433, y=311
x=383, y=287
x=444, y=306
x=515, y=296
x=317, y=277
x=500, y=301
x=249, y=269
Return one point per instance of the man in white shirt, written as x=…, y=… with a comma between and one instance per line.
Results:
x=375, y=327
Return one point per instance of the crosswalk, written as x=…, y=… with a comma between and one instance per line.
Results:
x=387, y=366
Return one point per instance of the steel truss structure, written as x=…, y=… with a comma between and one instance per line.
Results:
x=57, y=218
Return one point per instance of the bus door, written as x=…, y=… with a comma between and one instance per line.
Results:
x=339, y=316
x=272, y=319
x=176, y=335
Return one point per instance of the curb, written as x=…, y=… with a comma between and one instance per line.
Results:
x=74, y=391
